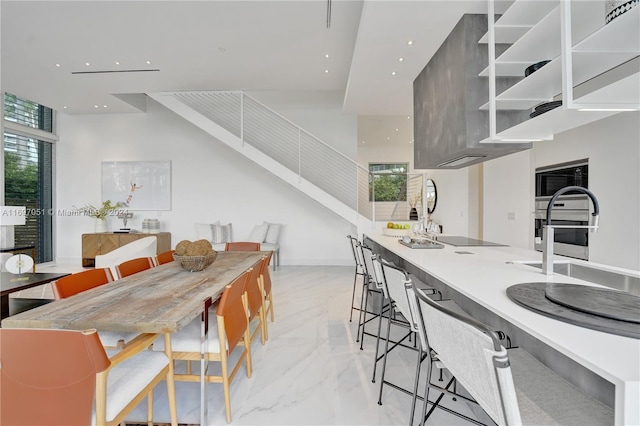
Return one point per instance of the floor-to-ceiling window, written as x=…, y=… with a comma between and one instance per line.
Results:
x=28, y=171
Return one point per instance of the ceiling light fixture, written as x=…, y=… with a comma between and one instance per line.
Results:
x=64, y=107
x=104, y=106
x=326, y=71
x=87, y=63
x=393, y=73
x=400, y=59
x=95, y=106
x=117, y=63
x=58, y=65
x=397, y=129
x=148, y=62
x=410, y=42
x=408, y=117
x=326, y=55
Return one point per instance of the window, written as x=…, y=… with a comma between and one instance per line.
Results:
x=28, y=172
x=388, y=182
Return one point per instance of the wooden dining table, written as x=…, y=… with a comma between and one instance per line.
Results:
x=160, y=300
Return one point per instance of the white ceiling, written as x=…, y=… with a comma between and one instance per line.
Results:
x=221, y=45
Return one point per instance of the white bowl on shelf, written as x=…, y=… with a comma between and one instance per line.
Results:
x=396, y=232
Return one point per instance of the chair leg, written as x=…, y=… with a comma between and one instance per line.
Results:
x=171, y=384
x=364, y=313
x=415, y=387
x=150, y=409
x=364, y=285
x=384, y=358
x=273, y=315
x=375, y=359
x=426, y=393
x=353, y=293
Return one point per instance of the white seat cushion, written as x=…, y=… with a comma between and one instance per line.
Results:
x=188, y=338
x=128, y=378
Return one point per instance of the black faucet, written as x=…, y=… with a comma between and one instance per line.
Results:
x=548, y=235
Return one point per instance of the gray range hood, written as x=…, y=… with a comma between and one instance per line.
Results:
x=447, y=95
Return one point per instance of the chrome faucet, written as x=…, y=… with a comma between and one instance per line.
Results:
x=548, y=230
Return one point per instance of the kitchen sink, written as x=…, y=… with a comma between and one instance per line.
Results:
x=629, y=282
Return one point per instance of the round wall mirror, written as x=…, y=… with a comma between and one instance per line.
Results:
x=431, y=195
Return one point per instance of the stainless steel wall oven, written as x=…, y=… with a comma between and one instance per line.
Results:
x=568, y=209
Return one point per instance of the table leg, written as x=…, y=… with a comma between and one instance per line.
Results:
x=171, y=385
x=204, y=365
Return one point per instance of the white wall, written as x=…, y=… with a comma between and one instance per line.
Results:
x=508, y=188
x=209, y=182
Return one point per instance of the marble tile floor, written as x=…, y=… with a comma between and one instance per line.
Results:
x=311, y=371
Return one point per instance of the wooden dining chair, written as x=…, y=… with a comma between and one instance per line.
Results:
x=134, y=266
x=228, y=328
x=165, y=257
x=242, y=246
x=60, y=388
x=267, y=291
x=86, y=280
x=255, y=298
x=134, y=373
x=56, y=389
x=79, y=282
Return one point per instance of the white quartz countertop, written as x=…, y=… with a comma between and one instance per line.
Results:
x=486, y=273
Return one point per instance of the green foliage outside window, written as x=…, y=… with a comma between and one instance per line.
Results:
x=388, y=182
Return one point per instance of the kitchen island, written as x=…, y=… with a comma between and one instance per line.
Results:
x=603, y=365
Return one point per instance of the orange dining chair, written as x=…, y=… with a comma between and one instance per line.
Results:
x=255, y=298
x=86, y=280
x=265, y=287
x=228, y=328
x=79, y=282
x=56, y=389
x=242, y=246
x=164, y=257
x=134, y=266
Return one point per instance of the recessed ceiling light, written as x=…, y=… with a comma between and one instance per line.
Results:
x=326, y=71
x=408, y=117
x=117, y=63
x=58, y=65
x=95, y=106
x=64, y=107
x=393, y=73
x=362, y=141
x=326, y=56
x=410, y=141
x=104, y=106
x=148, y=62
x=87, y=63
x=397, y=130
x=400, y=59
x=410, y=42
x=388, y=138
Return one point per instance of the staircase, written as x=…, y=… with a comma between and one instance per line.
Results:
x=279, y=146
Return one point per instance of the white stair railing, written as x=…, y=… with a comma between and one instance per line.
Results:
x=287, y=143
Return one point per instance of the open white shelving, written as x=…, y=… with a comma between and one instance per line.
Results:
x=599, y=49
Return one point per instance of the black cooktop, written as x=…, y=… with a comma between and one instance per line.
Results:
x=466, y=242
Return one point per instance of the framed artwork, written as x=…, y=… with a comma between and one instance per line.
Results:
x=138, y=185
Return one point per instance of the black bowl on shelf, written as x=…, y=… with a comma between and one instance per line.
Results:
x=535, y=67
x=544, y=107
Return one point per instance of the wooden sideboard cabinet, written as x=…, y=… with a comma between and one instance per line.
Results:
x=102, y=243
